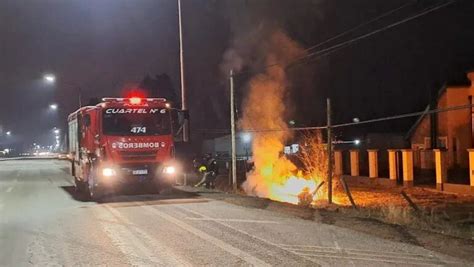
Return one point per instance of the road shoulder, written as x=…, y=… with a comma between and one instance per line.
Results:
x=452, y=246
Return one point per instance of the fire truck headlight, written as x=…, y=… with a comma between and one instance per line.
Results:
x=108, y=172
x=169, y=170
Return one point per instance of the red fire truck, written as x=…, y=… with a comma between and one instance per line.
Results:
x=124, y=141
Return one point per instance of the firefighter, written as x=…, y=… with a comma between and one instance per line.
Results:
x=200, y=169
x=209, y=169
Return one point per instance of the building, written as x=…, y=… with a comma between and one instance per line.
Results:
x=451, y=130
x=222, y=145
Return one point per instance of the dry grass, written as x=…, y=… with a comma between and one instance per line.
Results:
x=440, y=212
x=314, y=157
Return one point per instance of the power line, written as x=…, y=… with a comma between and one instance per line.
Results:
x=340, y=45
x=336, y=47
x=388, y=13
x=401, y=116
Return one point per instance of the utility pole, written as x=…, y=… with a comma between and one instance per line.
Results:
x=329, y=141
x=184, y=105
x=232, y=131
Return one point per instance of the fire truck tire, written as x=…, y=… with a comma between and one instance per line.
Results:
x=80, y=185
x=93, y=191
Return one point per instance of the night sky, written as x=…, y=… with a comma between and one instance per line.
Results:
x=104, y=46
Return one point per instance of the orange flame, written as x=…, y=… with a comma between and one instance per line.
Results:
x=274, y=176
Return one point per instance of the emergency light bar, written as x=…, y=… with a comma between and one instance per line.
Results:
x=121, y=99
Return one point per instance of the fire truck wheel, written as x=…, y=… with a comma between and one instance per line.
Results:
x=80, y=185
x=94, y=192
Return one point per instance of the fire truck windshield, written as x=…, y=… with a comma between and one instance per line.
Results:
x=139, y=121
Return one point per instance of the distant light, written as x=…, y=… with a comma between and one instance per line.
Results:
x=246, y=137
x=9, y=133
x=56, y=131
x=53, y=106
x=168, y=105
x=49, y=78
x=135, y=100
x=356, y=120
x=357, y=142
x=292, y=122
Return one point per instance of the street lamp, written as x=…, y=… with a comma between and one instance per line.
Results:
x=53, y=106
x=56, y=131
x=49, y=78
x=8, y=133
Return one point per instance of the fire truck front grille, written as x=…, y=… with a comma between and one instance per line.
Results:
x=141, y=155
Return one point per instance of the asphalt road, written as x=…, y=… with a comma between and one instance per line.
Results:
x=43, y=223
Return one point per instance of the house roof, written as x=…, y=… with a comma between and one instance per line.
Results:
x=418, y=121
x=467, y=80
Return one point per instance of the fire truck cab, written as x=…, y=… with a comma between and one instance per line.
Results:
x=123, y=141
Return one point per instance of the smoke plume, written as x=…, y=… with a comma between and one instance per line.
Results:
x=264, y=108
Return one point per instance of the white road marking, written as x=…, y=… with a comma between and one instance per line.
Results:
x=215, y=241
x=131, y=247
x=9, y=189
x=253, y=236
x=160, y=251
x=366, y=255
x=310, y=247
x=410, y=262
x=376, y=254
x=334, y=238
x=231, y=220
